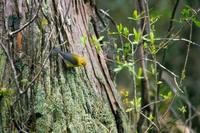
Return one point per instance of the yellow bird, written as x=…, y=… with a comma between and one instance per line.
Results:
x=70, y=59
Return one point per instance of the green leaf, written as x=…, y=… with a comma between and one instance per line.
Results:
x=135, y=14
x=139, y=75
x=136, y=103
x=145, y=45
x=129, y=110
x=125, y=31
x=100, y=38
x=151, y=117
x=186, y=12
x=169, y=95
x=152, y=39
x=182, y=109
x=137, y=36
x=119, y=28
x=117, y=69
x=127, y=49
x=154, y=19
x=153, y=49
x=117, y=58
x=196, y=22
x=96, y=42
x=83, y=40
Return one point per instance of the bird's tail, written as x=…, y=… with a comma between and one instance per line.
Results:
x=55, y=50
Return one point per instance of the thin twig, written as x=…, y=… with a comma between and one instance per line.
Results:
x=114, y=23
x=12, y=65
x=186, y=57
x=37, y=75
x=155, y=102
x=165, y=113
x=164, y=57
x=150, y=121
x=178, y=39
x=159, y=64
x=33, y=80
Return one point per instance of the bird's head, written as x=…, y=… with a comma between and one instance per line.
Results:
x=82, y=61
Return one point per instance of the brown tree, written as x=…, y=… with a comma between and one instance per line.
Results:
x=38, y=93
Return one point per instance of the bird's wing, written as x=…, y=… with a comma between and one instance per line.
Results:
x=69, y=58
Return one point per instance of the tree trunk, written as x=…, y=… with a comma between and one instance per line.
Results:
x=47, y=96
x=144, y=28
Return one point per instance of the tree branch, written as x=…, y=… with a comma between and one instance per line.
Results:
x=12, y=65
x=145, y=29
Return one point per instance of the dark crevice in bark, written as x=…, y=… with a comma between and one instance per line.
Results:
x=76, y=6
x=86, y=1
x=109, y=91
x=114, y=105
x=56, y=20
x=83, y=15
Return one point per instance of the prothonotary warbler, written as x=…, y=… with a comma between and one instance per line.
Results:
x=70, y=59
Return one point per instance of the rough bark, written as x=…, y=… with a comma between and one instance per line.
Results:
x=73, y=100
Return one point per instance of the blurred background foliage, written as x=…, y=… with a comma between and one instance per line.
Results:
x=120, y=10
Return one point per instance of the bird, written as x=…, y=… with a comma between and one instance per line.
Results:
x=70, y=59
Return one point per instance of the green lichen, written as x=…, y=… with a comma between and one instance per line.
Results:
x=73, y=107
x=2, y=64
